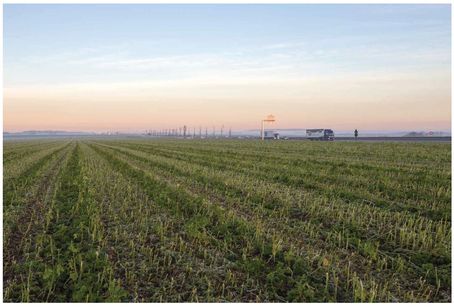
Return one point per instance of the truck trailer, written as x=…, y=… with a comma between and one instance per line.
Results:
x=320, y=134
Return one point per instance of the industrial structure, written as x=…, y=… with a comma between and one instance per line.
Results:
x=269, y=119
x=185, y=132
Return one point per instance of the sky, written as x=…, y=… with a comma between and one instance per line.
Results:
x=138, y=67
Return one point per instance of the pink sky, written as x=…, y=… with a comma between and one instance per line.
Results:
x=387, y=102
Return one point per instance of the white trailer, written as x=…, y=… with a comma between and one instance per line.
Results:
x=320, y=134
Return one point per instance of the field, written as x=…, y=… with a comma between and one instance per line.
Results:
x=226, y=220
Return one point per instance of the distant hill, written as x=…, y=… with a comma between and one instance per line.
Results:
x=44, y=133
x=426, y=134
x=47, y=132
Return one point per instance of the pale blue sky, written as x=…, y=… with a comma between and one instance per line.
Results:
x=229, y=55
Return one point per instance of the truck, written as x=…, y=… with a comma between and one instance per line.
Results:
x=320, y=134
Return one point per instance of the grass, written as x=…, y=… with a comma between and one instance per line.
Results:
x=226, y=220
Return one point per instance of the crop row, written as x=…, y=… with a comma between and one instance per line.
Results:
x=128, y=220
x=320, y=212
x=396, y=189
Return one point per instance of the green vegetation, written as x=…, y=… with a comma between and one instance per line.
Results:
x=199, y=220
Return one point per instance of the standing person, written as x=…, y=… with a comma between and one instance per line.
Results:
x=356, y=134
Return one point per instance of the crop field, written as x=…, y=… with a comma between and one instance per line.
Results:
x=226, y=220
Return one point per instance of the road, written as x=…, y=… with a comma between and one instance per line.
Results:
x=390, y=139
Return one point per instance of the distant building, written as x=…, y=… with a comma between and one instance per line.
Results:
x=271, y=135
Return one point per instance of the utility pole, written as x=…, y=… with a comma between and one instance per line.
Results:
x=206, y=132
x=184, y=131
